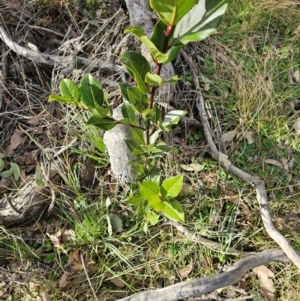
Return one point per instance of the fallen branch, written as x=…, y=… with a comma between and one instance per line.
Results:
x=197, y=287
x=259, y=185
x=47, y=59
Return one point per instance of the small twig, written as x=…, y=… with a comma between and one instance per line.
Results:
x=8, y=199
x=204, y=241
x=87, y=277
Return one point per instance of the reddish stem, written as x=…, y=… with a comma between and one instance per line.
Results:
x=167, y=34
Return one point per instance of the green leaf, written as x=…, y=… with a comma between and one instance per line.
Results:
x=152, y=218
x=150, y=191
x=101, y=111
x=128, y=112
x=134, y=147
x=173, y=79
x=138, y=135
x=155, y=136
x=6, y=173
x=152, y=114
x=63, y=99
x=116, y=222
x=69, y=89
x=173, y=211
x=173, y=117
x=158, y=36
x=91, y=92
x=135, y=200
x=173, y=53
x=123, y=87
x=171, y=11
x=137, y=67
x=138, y=99
x=15, y=170
x=39, y=179
x=153, y=79
x=200, y=22
x=2, y=164
x=171, y=187
x=105, y=124
x=140, y=33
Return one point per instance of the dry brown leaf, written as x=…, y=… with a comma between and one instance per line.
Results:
x=55, y=240
x=32, y=47
x=265, y=277
x=248, y=136
x=34, y=120
x=15, y=140
x=274, y=162
x=184, y=272
x=229, y=136
x=234, y=198
x=63, y=281
x=224, y=159
x=206, y=86
x=296, y=126
x=296, y=76
x=115, y=280
x=98, y=14
x=46, y=296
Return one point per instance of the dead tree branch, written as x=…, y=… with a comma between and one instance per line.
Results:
x=259, y=185
x=197, y=287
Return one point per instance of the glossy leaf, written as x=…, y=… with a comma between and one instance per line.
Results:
x=153, y=79
x=135, y=200
x=173, y=211
x=155, y=136
x=200, y=22
x=69, y=89
x=105, y=124
x=171, y=187
x=138, y=99
x=152, y=218
x=140, y=33
x=171, y=11
x=158, y=35
x=91, y=92
x=63, y=99
x=150, y=191
x=173, y=117
x=128, y=112
x=138, y=135
x=137, y=67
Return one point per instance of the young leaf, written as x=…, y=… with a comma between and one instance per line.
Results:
x=128, y=112
x=150, y=191
x=2, y=164
x=152, y=218
x=200, y=22
x=153, y=79
x=138, y=99
x=140, y=33
x=171, y=187
x=171, y=11
x=154, y=136
x=63, y=99
x=123, y=87
x=91, y=92
x=69, y=89
x=105, y=124
x=173, y=117
x=173, y=211
x=135, y=200
x=137, y=67
x=138, y=135
x=158, y=36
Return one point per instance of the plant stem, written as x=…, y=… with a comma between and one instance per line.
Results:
x=167, y=34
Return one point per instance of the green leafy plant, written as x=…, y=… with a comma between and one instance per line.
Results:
x=13, y=171
x=180, y=22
